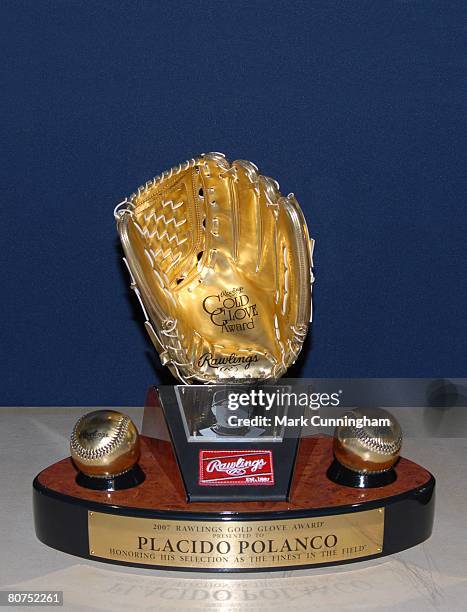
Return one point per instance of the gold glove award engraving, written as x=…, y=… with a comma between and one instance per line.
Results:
x=237, y=544
x=221, y=263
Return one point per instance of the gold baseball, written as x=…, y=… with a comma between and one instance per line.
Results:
x=104, y=443
x=368, y=448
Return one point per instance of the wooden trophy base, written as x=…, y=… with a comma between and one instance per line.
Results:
x=153, y=525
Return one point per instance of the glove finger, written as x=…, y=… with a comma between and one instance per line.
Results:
x=246, y=218
x=294, y=276
x=221, y=211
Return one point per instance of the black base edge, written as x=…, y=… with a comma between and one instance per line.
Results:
x=348, y=478
x=127, y=480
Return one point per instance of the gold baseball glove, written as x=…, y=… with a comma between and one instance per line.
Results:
x=221, y=264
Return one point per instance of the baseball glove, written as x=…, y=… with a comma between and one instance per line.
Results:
x=221, y=264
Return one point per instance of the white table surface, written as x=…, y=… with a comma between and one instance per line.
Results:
x=431, y=576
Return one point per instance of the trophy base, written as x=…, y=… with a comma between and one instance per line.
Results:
x=152, y=525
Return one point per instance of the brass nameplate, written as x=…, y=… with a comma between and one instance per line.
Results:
x=236, y=544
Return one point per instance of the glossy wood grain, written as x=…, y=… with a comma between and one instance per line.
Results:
x=163, y=488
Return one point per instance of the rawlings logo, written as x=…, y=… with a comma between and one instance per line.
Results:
x=231, y=310
x=93, y=435
x=235, y=467
x=224, y=363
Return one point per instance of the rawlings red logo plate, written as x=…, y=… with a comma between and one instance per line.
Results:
x=235, y=467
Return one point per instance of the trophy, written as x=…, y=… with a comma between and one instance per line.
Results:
x=221, y=477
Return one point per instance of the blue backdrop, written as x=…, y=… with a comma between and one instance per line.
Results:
x=358, y=107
